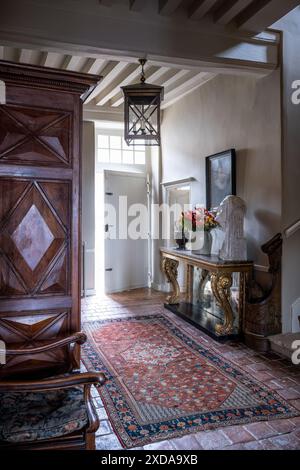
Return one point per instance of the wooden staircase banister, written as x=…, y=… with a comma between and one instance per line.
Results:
x=292, y=229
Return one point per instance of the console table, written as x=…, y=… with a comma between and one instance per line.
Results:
x=215, y=291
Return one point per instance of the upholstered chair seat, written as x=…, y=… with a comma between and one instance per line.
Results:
x=26, y=417
x=49, y=412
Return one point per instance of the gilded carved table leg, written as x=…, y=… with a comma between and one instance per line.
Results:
x=221, y=284
x=170, y=269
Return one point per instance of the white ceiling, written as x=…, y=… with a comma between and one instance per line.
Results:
x=116, y=73
x=119, y=70
x=252, y=15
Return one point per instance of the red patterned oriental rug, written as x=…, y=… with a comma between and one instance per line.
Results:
x=163, y=384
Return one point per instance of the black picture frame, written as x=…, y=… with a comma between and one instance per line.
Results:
x=220, y=177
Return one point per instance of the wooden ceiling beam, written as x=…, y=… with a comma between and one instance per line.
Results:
x=106, y=3
x=37, y=57
x=187, y=86
x=155, y=76
x=261, y=14
x=136, y=5
x=152, y=78
x=53, y=59
x=71, y=62
x=164, y=76
x=130, y=74
x=95, y=66
x=178, y=76
x=110, y=73
x=200, y=8
x=25, y=56
x=167, y=7
x=11, y=54
x=103, y=35
x=229, y=10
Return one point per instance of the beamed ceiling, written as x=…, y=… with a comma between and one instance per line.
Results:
x=249, y=16
x=252, y=15
x=115, y=73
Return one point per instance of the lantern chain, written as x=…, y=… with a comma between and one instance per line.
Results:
x=143, y=62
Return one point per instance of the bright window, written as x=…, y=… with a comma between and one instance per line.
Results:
x=113, y=149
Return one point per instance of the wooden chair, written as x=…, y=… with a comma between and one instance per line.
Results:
x=49, y=413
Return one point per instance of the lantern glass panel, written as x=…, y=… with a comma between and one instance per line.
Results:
x=142, y=114
x=143, y=122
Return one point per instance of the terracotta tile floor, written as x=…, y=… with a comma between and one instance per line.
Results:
x=271, y=369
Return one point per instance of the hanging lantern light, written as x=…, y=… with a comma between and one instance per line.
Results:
x=142, y=111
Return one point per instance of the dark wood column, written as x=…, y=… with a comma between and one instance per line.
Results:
x=40, y=242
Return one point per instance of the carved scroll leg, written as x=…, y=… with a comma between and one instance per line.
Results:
x=170, y=269
x=214, y=287
x=220, y=284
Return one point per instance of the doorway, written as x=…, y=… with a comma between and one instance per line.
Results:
x=121, y=258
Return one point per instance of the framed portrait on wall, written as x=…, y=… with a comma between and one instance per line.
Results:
x=220, y=177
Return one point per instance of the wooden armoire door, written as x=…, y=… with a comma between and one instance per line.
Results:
x=40, y=243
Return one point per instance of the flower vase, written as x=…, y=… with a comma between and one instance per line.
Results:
x=207, y=244
x=206, y=249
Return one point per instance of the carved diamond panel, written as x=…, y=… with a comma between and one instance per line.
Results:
x=34, y=136
x=57, y=278
x=9, y=195
x=31, y=329
x=33, y=237
x=33, y=119
x=11, y=133
x=10, y=282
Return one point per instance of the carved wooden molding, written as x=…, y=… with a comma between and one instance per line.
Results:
x=34, y=238
x=35, y=136
x=48, y=78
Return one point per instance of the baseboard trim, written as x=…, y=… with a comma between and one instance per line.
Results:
x=158, y=287
x=257, y=342
x=142, y=286
x=166, y=287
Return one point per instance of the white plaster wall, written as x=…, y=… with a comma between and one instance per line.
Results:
x=290, y=163
x=231, y=112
